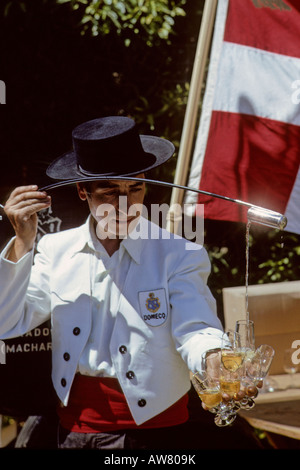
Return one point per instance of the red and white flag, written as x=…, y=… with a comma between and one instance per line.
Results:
x=248, y=142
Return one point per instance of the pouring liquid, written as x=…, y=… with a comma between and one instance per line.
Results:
x=247, y=269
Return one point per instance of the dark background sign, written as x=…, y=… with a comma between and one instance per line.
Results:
x=26, y=386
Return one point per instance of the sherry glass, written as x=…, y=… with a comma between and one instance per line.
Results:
x=210, y=394
x=259, y=365
x=208, y=390
x=208, y=387
x=230, y=384
x=245, y=329
x=289, y=366
x=229, y=377
x=256, y=369
x=231, y=353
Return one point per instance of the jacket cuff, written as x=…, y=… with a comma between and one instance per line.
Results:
x=5, y=252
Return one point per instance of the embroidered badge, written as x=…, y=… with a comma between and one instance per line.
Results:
x=153, y=305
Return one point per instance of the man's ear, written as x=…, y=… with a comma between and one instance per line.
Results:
x=81, y=191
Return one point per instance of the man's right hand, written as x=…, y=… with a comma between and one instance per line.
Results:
x=21, y=209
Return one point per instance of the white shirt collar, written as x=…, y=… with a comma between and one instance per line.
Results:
x=132, y=244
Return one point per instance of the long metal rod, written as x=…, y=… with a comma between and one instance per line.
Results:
x=256, y=214
x=59, y=184
x=145, y=180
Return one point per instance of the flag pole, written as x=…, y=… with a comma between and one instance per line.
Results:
x=204, y=39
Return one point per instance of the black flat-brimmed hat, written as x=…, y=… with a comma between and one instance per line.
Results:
x=110, y=146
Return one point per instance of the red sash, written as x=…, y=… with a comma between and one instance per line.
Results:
x=99, y=405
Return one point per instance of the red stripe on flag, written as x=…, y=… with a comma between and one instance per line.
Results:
x=248, y=158
x=266, y=28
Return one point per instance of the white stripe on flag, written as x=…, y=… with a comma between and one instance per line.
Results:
x=258, y=83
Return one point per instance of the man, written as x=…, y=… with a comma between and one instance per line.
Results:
x=131, y=315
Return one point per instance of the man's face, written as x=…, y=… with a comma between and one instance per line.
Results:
x=116, y=205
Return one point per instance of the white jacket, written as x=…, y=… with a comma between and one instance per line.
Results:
x=164, y=322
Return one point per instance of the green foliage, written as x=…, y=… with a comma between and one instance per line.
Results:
x=151, y=19
x=279, y=261
x=7, y=420
x=17, y=5
x=172, y=103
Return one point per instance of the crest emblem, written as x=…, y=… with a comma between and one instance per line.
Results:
x=153, y=306
x=152, y=303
